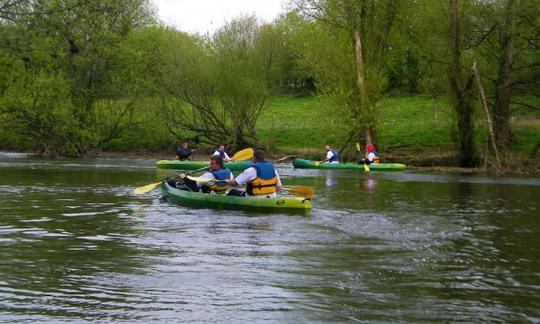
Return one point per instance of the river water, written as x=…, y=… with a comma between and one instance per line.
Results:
x=76, y=244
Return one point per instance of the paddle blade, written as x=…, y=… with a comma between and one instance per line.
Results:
x=200, y=179
x=302, y=191
x=243, y=155
x=317, y=163
x=358, y=146
x=145, y=189
x=366, y=168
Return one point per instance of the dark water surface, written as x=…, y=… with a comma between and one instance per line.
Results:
x=77, y=245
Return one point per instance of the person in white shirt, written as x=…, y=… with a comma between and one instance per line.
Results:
x=220, y=151
x=331, y=155
x=372, y=156
x=217, y=172
x=261, y=180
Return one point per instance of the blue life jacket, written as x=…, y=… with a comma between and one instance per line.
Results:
x=220, y=186
x=334, y=157
x=222, y=154
x=266, y=180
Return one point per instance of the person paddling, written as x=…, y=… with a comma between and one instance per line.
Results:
x=220, y=151
x=217, y=172
x=331, y=155
x=261, y=180
x=372, y=156
x=183, y=152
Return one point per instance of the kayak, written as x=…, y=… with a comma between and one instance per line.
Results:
x=200, y=199
x=308, y=164
x=193, y=165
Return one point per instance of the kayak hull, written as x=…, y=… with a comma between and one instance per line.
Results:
x=194, y=165
x=308, y=164
x=198, y=199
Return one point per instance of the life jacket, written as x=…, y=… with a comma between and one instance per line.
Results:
x=334, y=157
x=266, y=180
x=221, y=153
x=376, y=158
x=220, y=187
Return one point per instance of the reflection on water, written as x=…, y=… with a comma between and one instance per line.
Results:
x=77, y=244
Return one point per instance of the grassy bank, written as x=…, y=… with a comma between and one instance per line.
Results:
x=412, y=129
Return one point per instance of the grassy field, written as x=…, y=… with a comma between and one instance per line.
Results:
x=411, y=128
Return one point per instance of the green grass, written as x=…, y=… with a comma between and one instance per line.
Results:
x=412, y=125
x=311, y=122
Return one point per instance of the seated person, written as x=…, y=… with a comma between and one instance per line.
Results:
x=217, y=172
x=372, y=156
x=183, y=152
x=331, y=155
x=261, y=180
x=220, y=151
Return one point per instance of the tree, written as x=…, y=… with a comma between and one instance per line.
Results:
x=225, y=80
x=81, y=42
x=348, y=50
x=508, y=34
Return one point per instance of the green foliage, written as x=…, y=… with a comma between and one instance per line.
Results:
x=38, y=108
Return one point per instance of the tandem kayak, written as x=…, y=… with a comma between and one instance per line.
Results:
x=193, y=165
x=206, y=200
x=308, y=164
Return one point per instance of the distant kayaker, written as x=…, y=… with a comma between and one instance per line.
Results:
x=331, y=155
x=372, y=156
x=261, y=180
x=183, y=152
x=220, y=151
x=217, y=172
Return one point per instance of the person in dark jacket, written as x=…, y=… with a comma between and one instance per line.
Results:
x=183, y=152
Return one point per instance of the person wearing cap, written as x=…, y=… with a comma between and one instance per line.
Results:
x=372, y=156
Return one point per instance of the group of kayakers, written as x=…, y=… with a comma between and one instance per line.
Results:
x=261, y=179
x=332, y=155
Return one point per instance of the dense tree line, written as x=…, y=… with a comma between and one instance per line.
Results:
x=76, y=75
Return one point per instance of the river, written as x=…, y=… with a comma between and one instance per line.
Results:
x=76, y=244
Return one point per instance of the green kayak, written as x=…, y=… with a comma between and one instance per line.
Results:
x=308, y=164
x=198, y=199
x=193, y=165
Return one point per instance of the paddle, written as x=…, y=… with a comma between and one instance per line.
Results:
x=243, y=155
x=302, y=191
x=366, y=167
x=149, y=187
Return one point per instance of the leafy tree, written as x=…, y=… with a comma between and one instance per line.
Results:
x=225, y=80
x=347, y=46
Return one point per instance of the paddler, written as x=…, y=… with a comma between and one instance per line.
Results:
x=372, y=156
x=217, y=172
x=261, y=180
x=220, y=151
x=331, y=155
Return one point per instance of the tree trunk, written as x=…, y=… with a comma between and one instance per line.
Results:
x=462, y=93
x=367, y=129
x=501, y=108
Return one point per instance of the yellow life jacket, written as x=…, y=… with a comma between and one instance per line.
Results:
x=220, y=187
x=266, y=180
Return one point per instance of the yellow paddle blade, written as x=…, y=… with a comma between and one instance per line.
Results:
x=302, y=191
x=358, y=146
x=366, y=168
x=243, y=155
x=145, y=189
x=200, y=179
x=317, y=163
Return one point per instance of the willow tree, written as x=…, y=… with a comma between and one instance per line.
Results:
x=223, y=79
x=347, y=45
